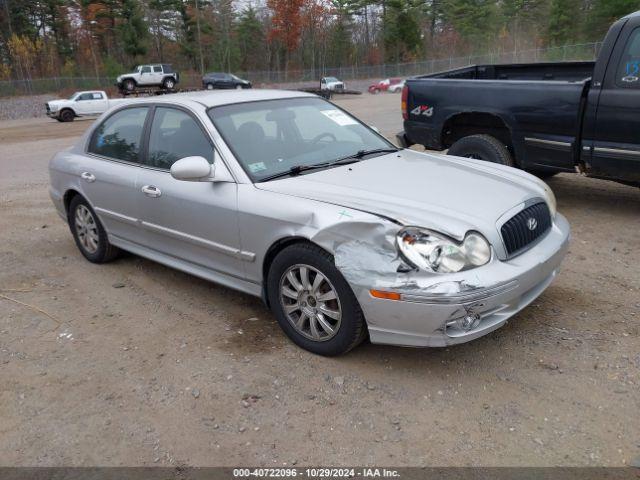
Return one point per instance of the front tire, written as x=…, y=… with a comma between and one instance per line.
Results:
x=67, y=115
x=88, y=233
x=312, y=301
x=129, y=85
x=209, y=86
x=482, y=147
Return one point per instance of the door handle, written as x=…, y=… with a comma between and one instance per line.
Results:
x=89, y=177
x=151, y=191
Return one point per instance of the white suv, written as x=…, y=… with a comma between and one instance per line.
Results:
x=158, y=75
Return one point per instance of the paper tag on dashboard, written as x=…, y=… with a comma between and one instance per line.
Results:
x=339, y=117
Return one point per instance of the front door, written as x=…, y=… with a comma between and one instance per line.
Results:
x=109, y=172
x=194, y=221
x=616, y=143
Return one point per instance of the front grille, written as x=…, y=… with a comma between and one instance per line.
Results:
x=518, y=234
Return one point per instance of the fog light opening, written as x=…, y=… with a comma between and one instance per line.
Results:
x=470, y=321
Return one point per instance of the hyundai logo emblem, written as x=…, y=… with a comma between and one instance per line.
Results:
x=532, y=223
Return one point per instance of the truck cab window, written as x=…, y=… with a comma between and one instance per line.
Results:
x=628, y=75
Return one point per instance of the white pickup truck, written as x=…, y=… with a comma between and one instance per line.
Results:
x=80, y=104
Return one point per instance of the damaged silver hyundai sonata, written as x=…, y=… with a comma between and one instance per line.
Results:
x=283, y=195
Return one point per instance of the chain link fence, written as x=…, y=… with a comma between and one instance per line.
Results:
x=576, y=52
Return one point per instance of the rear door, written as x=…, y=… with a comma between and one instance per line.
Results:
x=616, y=142
x=193, y=221
x=109, y=170
x=157, y=74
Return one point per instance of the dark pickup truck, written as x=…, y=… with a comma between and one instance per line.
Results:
x=542, y=117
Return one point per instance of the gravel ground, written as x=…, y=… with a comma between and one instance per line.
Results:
x=132, y=363
x=12, y=108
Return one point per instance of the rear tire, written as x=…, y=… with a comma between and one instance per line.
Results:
x=168, y=84
x=482, y=147
x=88, y=232
x=331, y=293
x=209, y=86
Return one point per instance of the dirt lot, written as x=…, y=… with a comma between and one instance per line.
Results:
x=132, y=363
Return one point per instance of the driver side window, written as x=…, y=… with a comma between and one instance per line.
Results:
x=628, y=74
x=174, y=135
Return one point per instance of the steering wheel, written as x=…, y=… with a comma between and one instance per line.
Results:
x=317, y=138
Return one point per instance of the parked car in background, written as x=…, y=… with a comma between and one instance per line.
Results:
x=159, y=75
x=384, y=85
x=542, y=117
x=331, y=83
x=80, y=104
x=283, y=195
x=396, y=87
x=219, y=80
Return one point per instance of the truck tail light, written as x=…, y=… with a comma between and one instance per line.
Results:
x=403, y=100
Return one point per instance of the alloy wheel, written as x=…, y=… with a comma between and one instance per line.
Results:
x=86, y=229
x=310, y=302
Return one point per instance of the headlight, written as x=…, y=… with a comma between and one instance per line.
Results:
x=551, y=200
x=435, y=252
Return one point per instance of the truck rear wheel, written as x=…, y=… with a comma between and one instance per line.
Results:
x=482, y=147
x=168, y=83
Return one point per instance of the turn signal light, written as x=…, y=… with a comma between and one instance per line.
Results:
x=385, y=295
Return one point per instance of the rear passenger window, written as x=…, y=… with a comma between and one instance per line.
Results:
x=120, y=136
x=157, y=69
x=175, y=135
x=628, y=74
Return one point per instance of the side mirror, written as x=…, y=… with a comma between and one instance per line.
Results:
x=192, y=169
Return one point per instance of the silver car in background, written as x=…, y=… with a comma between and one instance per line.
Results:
x=283, y=195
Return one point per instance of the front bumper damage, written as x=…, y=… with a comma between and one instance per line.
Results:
x=431, y=305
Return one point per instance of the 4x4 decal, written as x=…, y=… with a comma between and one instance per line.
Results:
x=425, y=110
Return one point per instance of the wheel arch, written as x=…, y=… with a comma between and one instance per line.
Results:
x=275, y=248
x=464, y=124
x=68, y=196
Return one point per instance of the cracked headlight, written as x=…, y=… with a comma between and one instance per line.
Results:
x=434, y=252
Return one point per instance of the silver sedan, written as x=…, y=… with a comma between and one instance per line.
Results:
x=283, y=195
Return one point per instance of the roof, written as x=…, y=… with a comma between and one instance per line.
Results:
x=216, y=98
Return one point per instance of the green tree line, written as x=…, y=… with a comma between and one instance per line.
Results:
x=40, y=38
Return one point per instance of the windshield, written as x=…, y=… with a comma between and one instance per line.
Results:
x=331, y=79
x=73, y=96
x=271, y=137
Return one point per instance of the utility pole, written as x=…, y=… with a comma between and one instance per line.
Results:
x=199, y=38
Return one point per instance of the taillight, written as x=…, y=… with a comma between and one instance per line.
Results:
x=403, y=100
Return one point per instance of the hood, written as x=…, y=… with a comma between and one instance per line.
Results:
x=57, y=103
x=449, y=194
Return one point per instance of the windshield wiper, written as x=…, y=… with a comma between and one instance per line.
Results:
x=356, y=157
x=360, y=154
x=295, y=170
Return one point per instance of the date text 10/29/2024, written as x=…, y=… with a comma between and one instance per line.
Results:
x=315, y=473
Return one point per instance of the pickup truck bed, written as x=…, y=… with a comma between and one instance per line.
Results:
x=565, y=71
x=542, y=117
